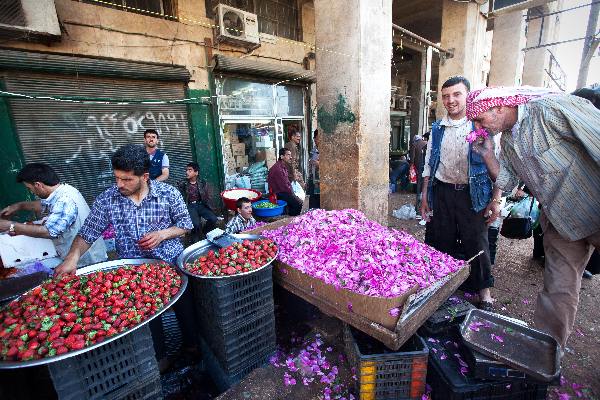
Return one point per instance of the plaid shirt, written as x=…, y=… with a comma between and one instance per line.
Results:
x=59, y=212
x=162, y=208
x=239, y=224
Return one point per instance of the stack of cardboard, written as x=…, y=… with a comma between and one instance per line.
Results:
x=270, y=158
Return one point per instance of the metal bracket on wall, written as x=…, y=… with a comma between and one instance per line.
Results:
x=446, y=55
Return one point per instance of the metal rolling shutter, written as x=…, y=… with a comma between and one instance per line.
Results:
x=78, y=140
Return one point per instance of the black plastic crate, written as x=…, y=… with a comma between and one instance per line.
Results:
x=484, y=367
x=383, y=373
x=149, y=389
x=222, y=379
x=229, y=301
x=451, y=313
x=107, y=372
x=172, y=332
x=240, y=344
x=449, y=383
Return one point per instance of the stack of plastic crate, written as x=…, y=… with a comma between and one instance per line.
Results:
x=237, y=324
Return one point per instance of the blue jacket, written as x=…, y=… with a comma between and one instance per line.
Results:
x=480, y=183
x=156, y=164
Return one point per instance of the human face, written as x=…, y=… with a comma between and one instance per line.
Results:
x=287, y=157
x=491, y=120
x=37, y=189
x=128, y=183
x=246, y=210
x=455, y=100
x=296, y=137
x=190, y=173
x=151, y=140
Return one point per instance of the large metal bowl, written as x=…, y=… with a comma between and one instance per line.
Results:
x=104, y=266
x=193, y=252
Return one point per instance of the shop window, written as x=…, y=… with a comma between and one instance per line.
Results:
x=154, y=8
x=275, y=17
x=241, y=97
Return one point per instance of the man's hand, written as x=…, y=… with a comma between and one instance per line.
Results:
x=9, y=210
x=491, y=212
x=67, y=267
x=484, y=148
x=151, y=240
x=425, y=210
x=5, y=225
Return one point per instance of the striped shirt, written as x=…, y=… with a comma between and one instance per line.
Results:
x=554, y=148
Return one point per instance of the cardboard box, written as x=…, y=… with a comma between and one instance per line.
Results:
x=238, y=149
x=241, y=161
x=20, y=251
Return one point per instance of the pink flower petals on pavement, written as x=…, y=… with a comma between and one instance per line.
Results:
x=497, y=338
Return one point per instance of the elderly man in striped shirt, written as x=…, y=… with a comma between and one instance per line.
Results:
x=551, y=142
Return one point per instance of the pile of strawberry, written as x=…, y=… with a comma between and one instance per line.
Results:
x=72, y=312
x=234, y=259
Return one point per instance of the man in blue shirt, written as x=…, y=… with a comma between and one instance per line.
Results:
x=159, y=161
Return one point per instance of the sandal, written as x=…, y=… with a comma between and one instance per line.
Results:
x=486, y=306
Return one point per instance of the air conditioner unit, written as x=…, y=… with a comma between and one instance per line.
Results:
x=33, y=20
x=236, y=26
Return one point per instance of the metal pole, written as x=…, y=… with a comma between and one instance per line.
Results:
x=590, y=45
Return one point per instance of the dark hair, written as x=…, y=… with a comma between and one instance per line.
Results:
x=38, y=172
x=241, y=201
x=455, y=80
x=315, y=133
x=589, y=94
x=282, y=151
x=193, y=165
x=147, y=131
x=131, y=157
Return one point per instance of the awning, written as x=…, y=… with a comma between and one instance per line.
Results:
x=258, y=68
x=70, y=65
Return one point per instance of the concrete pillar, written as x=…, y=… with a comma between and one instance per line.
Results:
x=506, y=67
x=540, y=31
x=463, y=31
x=354, y=48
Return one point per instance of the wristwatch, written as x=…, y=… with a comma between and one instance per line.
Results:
x=11, y=229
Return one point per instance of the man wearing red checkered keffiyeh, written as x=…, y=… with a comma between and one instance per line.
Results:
x=551, y=142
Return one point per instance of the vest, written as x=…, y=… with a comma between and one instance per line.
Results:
x=97, y=252
x=156, y=164
x=480, y=184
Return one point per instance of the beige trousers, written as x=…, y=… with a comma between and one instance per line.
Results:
x=565, y=261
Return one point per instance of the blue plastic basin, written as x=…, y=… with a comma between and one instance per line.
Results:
x=268, y=212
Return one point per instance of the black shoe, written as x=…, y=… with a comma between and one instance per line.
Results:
x=587, y=274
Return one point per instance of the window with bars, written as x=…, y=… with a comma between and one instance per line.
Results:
x=11, y=13
x=275, y=17
x=154, y=8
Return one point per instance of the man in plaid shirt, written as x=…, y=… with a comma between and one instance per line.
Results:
x=148, y=216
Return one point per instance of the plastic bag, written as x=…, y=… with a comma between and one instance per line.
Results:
x=243, y=182
x=522, y=210
x=298, y=191
x=407, y=211
x=412, y=173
